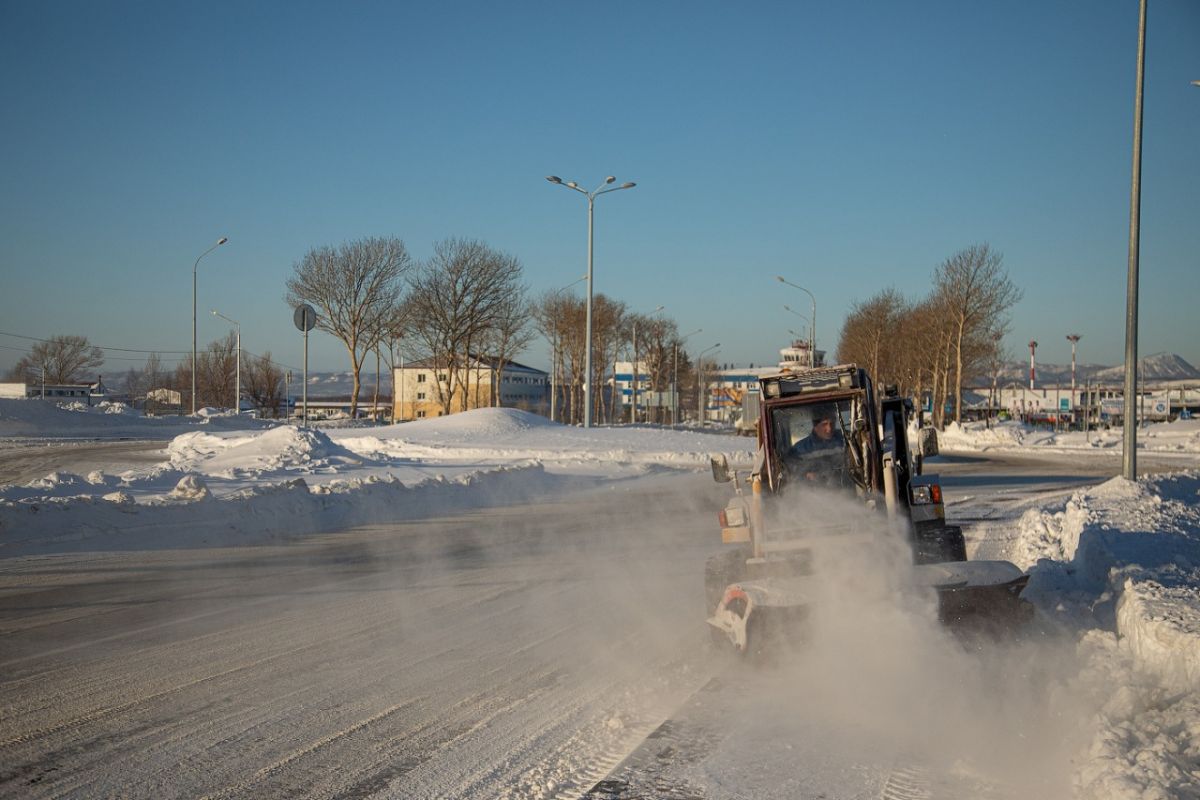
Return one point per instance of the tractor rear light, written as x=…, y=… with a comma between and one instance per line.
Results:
x=935, y=491
x=732, y=517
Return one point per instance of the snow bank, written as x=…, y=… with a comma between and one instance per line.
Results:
x=244, y=485
x=190, y=516
x=1121, y=563
x=1180, y=436
x=1131, y=550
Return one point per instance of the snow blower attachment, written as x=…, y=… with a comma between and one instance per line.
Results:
x=821, y=434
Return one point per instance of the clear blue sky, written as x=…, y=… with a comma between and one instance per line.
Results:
x=847, y=146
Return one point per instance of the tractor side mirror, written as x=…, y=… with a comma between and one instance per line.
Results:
x=720, y=469
x=927, y=442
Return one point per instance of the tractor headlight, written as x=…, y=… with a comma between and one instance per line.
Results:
x=924, y=495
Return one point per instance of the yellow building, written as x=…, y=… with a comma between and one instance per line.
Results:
x=416, y=395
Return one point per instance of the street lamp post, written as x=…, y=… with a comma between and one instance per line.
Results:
x=591, y=198
x=237, y=392
x=1073, y=338
x=633, y=410
x=675, y=378
x=195, y=267
x=801, y=337
x=812, y=342
x=1129, y=440
x=700, y=383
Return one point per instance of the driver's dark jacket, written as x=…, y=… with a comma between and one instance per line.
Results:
x=813, y=444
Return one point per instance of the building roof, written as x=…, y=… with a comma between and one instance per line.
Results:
x=476, y=361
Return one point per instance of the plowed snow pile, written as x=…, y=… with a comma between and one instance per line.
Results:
x=265, y=480
x=1120, y=565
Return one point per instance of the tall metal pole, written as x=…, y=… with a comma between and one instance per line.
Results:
x=304, y=391
x=633, y=411
x=195, y=267
x=812, y=341
x=591, y=198
x=1073, y=338
x=587, y=359
x=1032, y=365
x=700, y=383
x=1129, y=440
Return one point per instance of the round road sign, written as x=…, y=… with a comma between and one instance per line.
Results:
x=305, y=317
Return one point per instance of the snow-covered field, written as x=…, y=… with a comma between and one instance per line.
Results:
x=1115, y=566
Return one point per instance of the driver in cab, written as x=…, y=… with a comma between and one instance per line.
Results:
x=824, y=437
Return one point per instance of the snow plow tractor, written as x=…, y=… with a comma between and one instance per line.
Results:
x=825, y=441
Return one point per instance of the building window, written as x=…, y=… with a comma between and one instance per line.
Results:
x=420, y=414
x=420, y=395
x=420, y=377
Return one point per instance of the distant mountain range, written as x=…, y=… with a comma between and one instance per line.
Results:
x=1157, y=367
x=331, y=385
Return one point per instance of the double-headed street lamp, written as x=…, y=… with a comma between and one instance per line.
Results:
x=812, y=321
x=196, y=266
x=591, y=198
x=700, y=382
x=633, y=412
x=237, y=392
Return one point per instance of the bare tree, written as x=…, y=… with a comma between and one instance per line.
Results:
x=457, y=302
x=263, y=383
x=555, y=317
x=216, y=370
x=655, y=335
x=153, y=374
x=512, y=333
x=869, y=336
x=62, y=359
x=975, y=292
x=355, y=288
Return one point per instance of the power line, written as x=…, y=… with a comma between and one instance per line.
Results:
x=34, y=338
x=107, y=357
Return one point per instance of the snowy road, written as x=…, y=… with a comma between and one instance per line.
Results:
x=519, y=652
x=21, y=462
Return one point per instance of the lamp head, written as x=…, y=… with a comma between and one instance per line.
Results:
x=223, y=240
x=554, y=179
x=628, y=185
x=610, y=179
x=573, y=184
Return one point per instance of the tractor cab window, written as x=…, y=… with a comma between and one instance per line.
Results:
x=811, y=441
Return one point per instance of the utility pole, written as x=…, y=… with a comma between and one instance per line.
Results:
x=1129, y=440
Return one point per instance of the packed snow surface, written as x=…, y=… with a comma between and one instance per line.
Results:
x=1114, y=567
